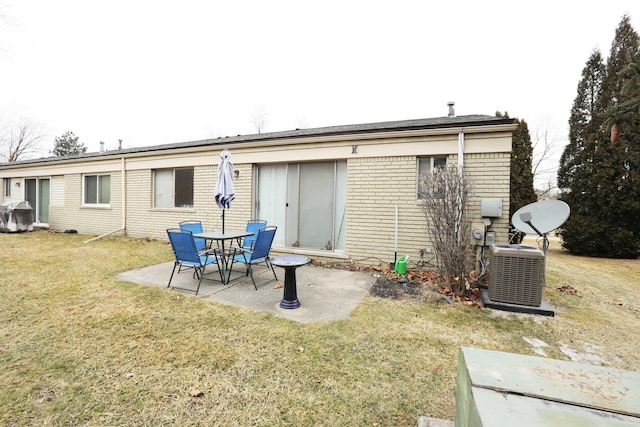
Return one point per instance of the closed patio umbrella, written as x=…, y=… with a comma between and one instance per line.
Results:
x=224, y=187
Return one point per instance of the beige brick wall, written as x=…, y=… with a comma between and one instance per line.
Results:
x=491, y=180
x=57, y=190
x=87, y=220
x=142, y=219
x=376, y=186
x=145, y=221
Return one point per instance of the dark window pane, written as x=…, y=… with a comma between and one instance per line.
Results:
x=184, y=188
x=7, y=187
x=439, y=162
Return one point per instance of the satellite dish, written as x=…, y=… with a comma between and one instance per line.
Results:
x=541, y=217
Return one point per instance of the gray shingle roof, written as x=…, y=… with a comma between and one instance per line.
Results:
x=432, y=123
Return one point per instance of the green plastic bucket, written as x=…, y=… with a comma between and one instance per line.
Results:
x=401, y=266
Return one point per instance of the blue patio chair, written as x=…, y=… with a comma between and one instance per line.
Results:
x=195, y=227
x=252, y=226
x=258, y=253
x=188, y=256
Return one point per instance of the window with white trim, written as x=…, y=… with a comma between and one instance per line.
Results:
x=97, y=190
x=426, y=165
x=173, y=188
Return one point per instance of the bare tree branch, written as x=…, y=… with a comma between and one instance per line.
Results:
x=259, y=120
x=18, y=142
x=548, y=191
x=544, y=164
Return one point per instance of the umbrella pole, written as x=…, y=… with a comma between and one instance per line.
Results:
x=223, y=220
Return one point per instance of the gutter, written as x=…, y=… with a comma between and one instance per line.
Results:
x=123, y=227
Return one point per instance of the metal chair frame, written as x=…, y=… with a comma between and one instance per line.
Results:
x=188, y=256
x=259, y=253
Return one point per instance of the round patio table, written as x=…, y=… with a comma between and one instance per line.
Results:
x=290, y=263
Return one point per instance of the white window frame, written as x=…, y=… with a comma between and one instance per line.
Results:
x=171, y=191
x=428, y=163
x=99, y=183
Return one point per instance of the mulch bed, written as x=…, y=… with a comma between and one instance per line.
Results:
x=419, y=284
x=391, y=287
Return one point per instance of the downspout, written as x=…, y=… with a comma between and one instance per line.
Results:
x=460, y=176
x=123, y=227
x=123, y=174
x=460, y=150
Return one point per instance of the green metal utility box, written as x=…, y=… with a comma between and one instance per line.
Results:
x=496, y=389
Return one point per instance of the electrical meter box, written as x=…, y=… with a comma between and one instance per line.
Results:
x=490, y=238
x=491, y=208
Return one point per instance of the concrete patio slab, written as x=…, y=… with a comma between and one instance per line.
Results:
x=325, y=294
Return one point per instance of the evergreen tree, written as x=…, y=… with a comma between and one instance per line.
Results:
x=521, y=176
x=68, y=145
x=583, y=112
x=623, y=55
x=600, y=173
x=619, y=176
x=521, y=191
x=576, y=163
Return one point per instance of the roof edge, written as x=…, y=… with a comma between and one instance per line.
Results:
x=401, y=125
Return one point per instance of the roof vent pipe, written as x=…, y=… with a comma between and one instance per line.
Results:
x=452, y=112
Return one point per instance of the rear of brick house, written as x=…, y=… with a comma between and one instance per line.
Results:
x=335, y=193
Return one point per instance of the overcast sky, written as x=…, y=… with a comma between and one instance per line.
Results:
x=154, y=72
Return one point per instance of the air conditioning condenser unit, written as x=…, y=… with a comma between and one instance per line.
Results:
x=516, y=274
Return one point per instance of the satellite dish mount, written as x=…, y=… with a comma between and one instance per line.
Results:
x=541, y=218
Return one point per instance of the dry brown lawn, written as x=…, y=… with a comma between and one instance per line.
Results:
x=78, y=347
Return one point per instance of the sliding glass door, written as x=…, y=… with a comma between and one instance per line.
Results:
x=37, y=192
x=307, y=202
x=272, y=199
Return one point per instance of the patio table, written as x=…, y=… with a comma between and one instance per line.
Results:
x=220, y=238
x=290, y=263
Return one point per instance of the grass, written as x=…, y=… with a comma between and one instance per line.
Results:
x=78, y=347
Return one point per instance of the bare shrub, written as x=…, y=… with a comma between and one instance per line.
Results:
x=446, y=194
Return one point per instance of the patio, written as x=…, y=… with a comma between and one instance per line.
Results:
x=325, y=294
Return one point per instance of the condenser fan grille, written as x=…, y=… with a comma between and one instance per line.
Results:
x=516, y=274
